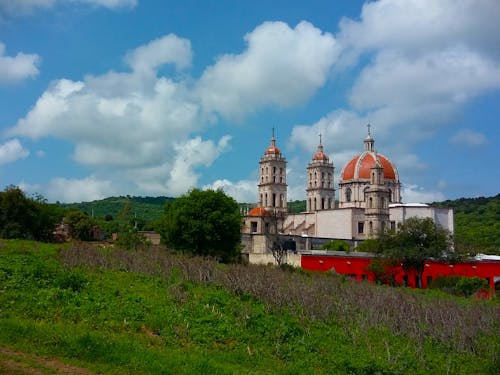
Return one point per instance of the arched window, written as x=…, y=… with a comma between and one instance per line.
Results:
x=315, y=205
x=370, y=203
x=322, y=203
x=348, y=194
x=390, y=195
x=265, y=200
x=371, y=227
x=383, y=202
x=274, y=199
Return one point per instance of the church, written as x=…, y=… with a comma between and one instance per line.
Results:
x=369, y=202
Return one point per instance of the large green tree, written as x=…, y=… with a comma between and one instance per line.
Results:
x=415, y=241
x=203, y=222
x=26, y=217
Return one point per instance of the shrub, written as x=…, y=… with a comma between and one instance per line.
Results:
x=458, y=285
x=336, y=245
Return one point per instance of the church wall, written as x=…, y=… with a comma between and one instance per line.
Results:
x=442, y=216
x=334, y=224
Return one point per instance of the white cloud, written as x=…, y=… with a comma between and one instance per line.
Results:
x=417, y=194
x=190, y=155
x=243, y=191
x=133, y=126
x=164, y=50
x=11, y=151
x=469, y=138
x=281, y=66
x=17, y=68
x=26, y=7
x=416, y=26
x=439, y=80
x=72, y=190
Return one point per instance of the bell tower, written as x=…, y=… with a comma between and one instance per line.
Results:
x=377, y=197
x=320, y=193
x=272, y=179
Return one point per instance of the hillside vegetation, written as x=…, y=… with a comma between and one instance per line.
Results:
x=151, y=312
x=477, y=223
x=143, y=208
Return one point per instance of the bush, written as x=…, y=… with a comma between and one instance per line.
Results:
x=458, y=285
x=336, y=245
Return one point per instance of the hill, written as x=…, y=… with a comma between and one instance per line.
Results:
x=477, y=223
x=88, y=309
x=144, y=208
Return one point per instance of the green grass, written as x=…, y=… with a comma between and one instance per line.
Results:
x=112, y=320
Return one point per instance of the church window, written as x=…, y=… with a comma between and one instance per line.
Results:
x=281, y=170
x=274, y=199
x=274, y=169
x=361, y=226
x=265, y=200
x=322, y=203
x=274, y=178
x=370, y=205
x=253, y=226
x=383, y=202
x=348, y=194
x=371, y=227
x=390, y=196
x=261, y=199
x=315, y=206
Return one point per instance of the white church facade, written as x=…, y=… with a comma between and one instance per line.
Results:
x=369, y=201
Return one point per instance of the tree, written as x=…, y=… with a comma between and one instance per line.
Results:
x=80, y=225
x=203, y=222
x=24, y=217
x=416, y=241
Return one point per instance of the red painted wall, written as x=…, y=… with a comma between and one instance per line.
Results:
x=356, y=267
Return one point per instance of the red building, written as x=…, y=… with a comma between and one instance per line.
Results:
x=356, y=265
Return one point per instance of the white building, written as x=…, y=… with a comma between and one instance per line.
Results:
x=369, y=201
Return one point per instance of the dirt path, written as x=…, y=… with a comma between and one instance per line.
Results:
x=18, y=363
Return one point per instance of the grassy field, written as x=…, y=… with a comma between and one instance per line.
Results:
x=83, y=310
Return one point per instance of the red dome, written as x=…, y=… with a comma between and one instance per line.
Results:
x=272, y=150
x=359, y=167
x=320, y=156
x=258, y=211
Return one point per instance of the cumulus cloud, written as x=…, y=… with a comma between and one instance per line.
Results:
x=469, y=138
x=129, y=124
x=281, y=66
x=13, y=8
x=190, y=155
x=244, y=191
x=11, y=151
x=71, y=190
x=168, y=49
x=17, y=68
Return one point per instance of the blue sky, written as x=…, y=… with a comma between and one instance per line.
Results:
x=144, y=97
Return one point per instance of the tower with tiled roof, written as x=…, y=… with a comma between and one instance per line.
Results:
x=320, y=193
x=272, y=179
